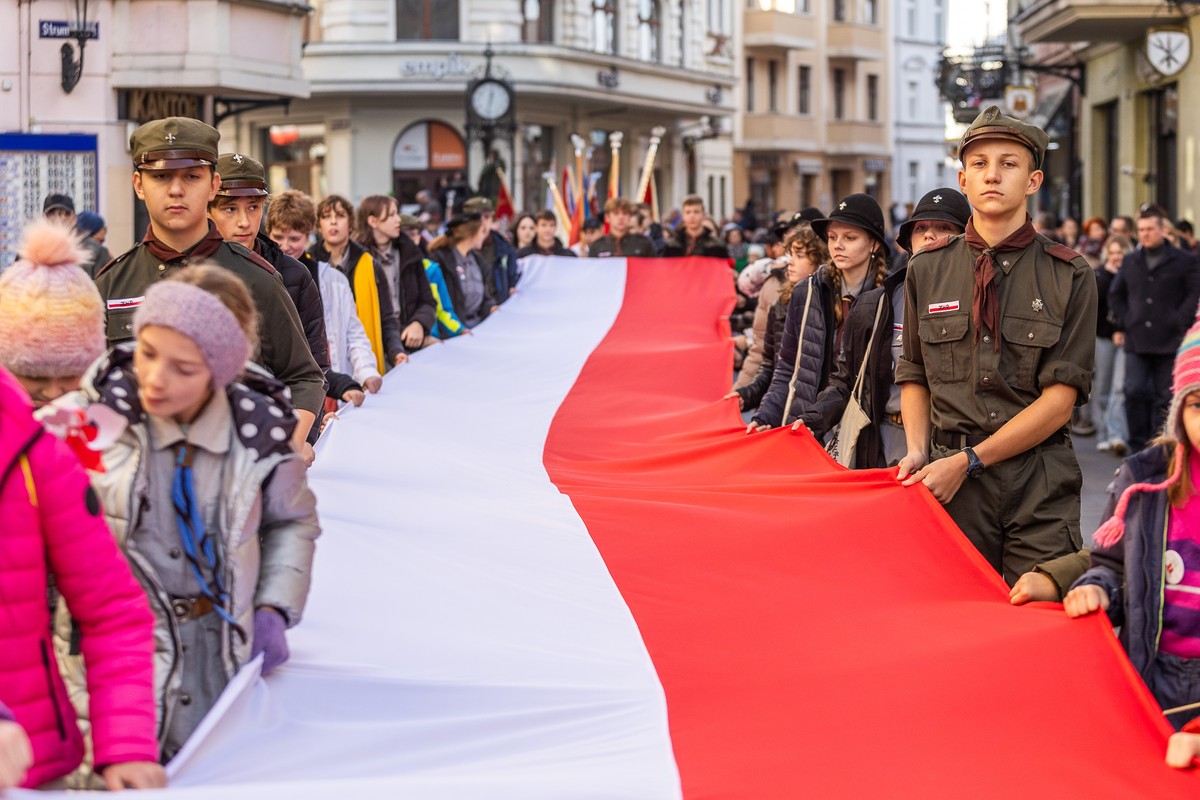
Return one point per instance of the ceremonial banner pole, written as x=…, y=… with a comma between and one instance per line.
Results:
x=656, y=135
x=614, y=169
x=560, y=207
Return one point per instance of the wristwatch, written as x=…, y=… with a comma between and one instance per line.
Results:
x=974, y=465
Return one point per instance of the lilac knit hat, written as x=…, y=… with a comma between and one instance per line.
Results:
x=203, y=318
x=51, y=315
x=1185, y=381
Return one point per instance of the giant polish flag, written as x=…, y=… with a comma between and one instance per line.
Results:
x=554, y=566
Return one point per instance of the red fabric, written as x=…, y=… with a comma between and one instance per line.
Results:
x=820, y=632
x=504, y=202
x=92, y=575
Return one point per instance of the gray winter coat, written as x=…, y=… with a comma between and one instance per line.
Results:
x=268, y=519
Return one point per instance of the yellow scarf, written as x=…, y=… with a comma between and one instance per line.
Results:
x=366, y=302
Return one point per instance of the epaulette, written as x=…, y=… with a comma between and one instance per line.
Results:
x=117, y=260
x=250, y=255
x=1062, y=252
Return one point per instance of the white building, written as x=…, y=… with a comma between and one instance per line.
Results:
x=141, y=60
x=387, y=111
x=919, y=161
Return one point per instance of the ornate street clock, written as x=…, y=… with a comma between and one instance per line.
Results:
x=491, y=100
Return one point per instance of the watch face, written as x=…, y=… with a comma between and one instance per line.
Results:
x=490, y=100
x=1168, y=51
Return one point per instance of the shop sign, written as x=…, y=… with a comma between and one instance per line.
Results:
x=143, y=105
x=453, y=65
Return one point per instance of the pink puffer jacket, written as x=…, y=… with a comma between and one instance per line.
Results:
x=52, y=518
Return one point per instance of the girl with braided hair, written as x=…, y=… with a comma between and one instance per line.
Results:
x=812, y=331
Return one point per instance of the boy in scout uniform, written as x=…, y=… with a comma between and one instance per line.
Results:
x=999, y=347
x=174, y=174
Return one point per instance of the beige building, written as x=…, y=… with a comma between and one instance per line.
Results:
x=388, y=107
x=1138, y=132
x=815, y=121
x=62, y=132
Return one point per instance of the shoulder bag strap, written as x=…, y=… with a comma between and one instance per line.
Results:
x=787, y=408
x=856, y=393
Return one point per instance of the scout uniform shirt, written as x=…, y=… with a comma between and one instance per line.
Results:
x=1047, y=301
x=283, y=349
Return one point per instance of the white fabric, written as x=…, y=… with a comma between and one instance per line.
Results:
x=349, y=348
x=463, y=638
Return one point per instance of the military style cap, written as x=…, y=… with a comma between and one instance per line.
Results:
x=408, y=222
x=942, y=205
x=174, y=143
x=241, y=176
x=462, y=219
x=991, y=124
x=478, y=205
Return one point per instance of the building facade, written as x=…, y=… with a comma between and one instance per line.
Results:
x=1135, y=137
x=387, y=112
x=66, y=129
x=919, y=158
x=816, y=109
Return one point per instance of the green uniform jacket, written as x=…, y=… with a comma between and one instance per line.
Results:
x=283, y=349
x=1047, y=332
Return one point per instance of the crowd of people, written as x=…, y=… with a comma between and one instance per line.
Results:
x=158, y=409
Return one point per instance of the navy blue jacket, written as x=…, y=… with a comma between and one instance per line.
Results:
x=1131, y=571
x=816, y=352
x=1155, y=307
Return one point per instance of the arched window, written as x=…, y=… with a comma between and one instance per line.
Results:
x=604, y=26
x=649, y=31
x=538, y=20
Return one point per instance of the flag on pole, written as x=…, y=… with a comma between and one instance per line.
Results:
x=651, y=197
x=504, y=202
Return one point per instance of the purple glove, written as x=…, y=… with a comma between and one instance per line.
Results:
x=270, y=638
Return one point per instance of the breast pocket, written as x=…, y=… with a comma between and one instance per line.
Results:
x=944, y=342
x=1026, y=341
x=120, y=325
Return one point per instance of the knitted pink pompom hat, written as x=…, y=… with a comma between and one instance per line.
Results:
x=51, y=315
x=1185, y=381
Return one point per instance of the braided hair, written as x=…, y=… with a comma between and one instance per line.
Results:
x=878, y=265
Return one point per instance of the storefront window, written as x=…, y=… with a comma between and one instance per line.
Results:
x=429, y=155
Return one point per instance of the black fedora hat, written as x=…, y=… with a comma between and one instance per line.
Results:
x=859, y=210
x=944, y=205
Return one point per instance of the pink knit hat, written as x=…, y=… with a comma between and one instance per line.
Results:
x=1185, y=381
x=51, y=316
x=202, y=317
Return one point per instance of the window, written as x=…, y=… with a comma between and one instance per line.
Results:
x=910, y=17
x=649, y=28
x=750, y=84
x=939, y=25
x=419, y=19
x=538, y=23
x=718, y=17
x=913, y=100
x=804, y=101
x=839, y=10
x=914, y=175
x=772, y=86
x=604, y=26
x=839, y=90
x=870, y=12
x=873, y=98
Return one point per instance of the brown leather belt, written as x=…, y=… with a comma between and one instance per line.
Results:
x=189, y=608
x=961, y=440
x=897, y=420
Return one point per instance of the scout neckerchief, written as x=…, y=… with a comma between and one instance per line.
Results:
x=198, y=545
x=985, y=304
x=203, y=249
